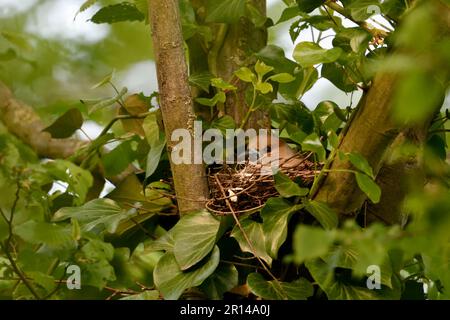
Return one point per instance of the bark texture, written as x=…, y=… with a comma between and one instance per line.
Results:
x=242, y=40
x=370, y=133
x=175, y=99
x=22, y=121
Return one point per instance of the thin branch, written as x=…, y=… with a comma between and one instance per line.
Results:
x=238, y=223
x=19, y=272
x=439, y=131
x=363, y=24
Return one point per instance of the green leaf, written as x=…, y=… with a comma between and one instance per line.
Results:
x=369, y=187
x=312, y=143
x=130, y=192
x=360, y=163
x=66, y=125
x=4, y=230
x=310, y=243
x=201, y=80
x=308, y=54
x=43, y=281
x=118, y=159
x=274, y=56
x=255, y=234
x=146, y=295
x=218, y=97
x=299, y=289
x=353, y=40
x=360, y=10
x=229, y=11
x=171, y=281
x=245, y=74
x=338, y=76
x=108, y=102
x=98, y=250
x=264, y=87
x=153, y=158
x=195, y=236
x=276, y=215
x=97, y=214
x=166, y=242
x=324, y=214
x=288, y=14
x=97, y=274
x=221, y=84
x=329, y=115
x=223, y=123
x=333, y=139
x=142, y=6
x=309, y=5
x=262, y=69
x=8, y=55
x=337, y=290
x=255, y=15
x=124, y=11
x=222, y=280
x=78, y=179
x=282, y=78
x=107, y=79
x=157, y=141
x=18, y=39
x=416, y=96
x=288, y=188
x=86, y=5
x=50, y=234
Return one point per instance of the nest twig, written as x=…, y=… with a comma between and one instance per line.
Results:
x=248, y=190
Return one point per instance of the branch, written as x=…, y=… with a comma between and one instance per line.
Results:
x=22, y=121
x=5, y=247
x=175, y=99
x=371, y=133
x=363, y=24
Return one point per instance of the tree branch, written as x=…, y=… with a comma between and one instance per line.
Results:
x=22, y=121
x=175, y=99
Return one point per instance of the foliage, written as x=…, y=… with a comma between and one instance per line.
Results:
x=130, y=243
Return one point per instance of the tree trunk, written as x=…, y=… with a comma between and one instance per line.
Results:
x=232, y=49
x=175, y=99
x=370, y=134
x=395, y=176
x=242, y=40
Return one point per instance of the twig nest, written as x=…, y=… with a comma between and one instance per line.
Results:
x=247, y=190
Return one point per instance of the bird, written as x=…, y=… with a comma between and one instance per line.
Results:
x=270, y=152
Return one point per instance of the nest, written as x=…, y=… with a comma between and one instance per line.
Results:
x=244, y=188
